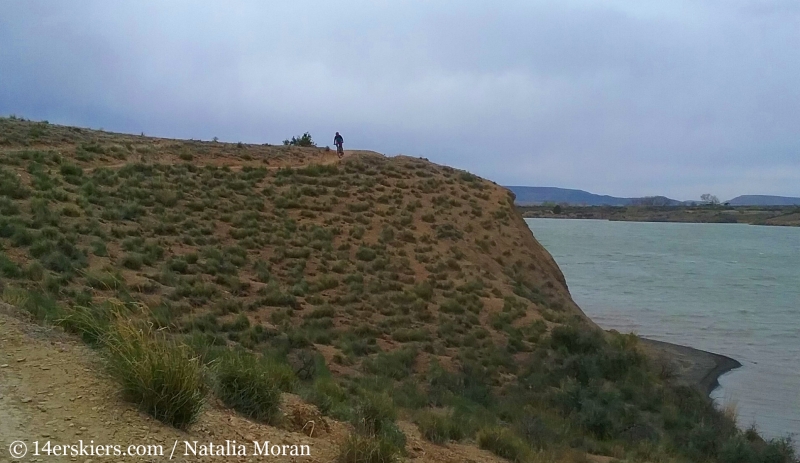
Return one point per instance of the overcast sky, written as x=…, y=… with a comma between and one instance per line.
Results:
x=628, y=98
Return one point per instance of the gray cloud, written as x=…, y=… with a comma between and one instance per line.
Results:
x=619, y=97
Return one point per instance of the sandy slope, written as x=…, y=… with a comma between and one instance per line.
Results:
x=51, y=389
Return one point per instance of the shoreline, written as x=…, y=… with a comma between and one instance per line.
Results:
x=694, y=366
x=781, y=216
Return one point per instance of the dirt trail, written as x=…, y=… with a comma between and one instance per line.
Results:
x=324, y=157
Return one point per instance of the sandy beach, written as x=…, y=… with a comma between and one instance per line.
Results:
x=693, y=366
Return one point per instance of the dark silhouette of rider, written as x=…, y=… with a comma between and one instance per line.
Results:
x=338, y=141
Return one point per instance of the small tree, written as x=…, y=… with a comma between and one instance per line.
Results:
x=557, y=209
x=709, y=198
x=303, y=140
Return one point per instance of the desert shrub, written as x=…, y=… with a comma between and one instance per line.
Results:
x=325, y=311
x=71, y=170
x=133, y=261
x=534, y=430
x=8, y=207
x=366, y=254
x=92, y=322
x=374, y=414
x=737, y=450
x=439, y=428
x=156, y=373
x=328, y=396
x=262, y=270
x=324, y=282
x=34, y=271
x=410, y=395
x=576, y=340
x=503, y=443
x=307, y=364
x=40, y=304
x=10, y=185
x=779, y=451
x=104, y=280
x=424, y=291
x=251, y=385
x=451, y=306
x=9, y=268
x=240, y=323
x=396, y=365
x=205, y=323
x=273, y=296
x=411, y=335
x=597, y=419
x=302, y=140
x=367, y=449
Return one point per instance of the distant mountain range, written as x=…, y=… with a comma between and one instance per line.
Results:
x=540, y=194
x=531, y=195
x=764, y=200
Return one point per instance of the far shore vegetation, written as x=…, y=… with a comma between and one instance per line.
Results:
x=706, y=213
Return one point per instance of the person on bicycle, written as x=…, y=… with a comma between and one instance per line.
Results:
x=338, y=140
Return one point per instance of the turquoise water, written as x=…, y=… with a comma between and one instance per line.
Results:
x=727, y=288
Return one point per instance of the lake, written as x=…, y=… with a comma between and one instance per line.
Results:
x=731, y=289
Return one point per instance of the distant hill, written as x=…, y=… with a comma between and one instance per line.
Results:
x=764, y=200
x=537, y=195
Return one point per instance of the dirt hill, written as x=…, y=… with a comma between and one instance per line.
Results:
x=370, y=286
x=274, y=233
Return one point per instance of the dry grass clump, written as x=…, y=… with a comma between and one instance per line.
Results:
x=157, y=373
x=252, y=385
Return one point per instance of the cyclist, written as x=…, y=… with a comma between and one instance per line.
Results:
x=338, y=140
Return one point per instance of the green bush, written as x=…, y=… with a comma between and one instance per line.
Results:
x=9, y=268
x=576, y=340
x=328, y=396
x=92, y=323
x=34, y=271
x=40, y=304
x=366, y=254
x=252, y=385
x=503, y=443
x=375, y=415
x=104, y=280
x=156, y=373
x=396, y=365
x=133, y=261
x=439, y=428
x=367, y=449
x=302, y=140
x=737, y=450
x=779, y=451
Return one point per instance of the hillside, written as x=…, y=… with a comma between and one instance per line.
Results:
x=392, y=295
x=764, y=200
x=529, y=195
